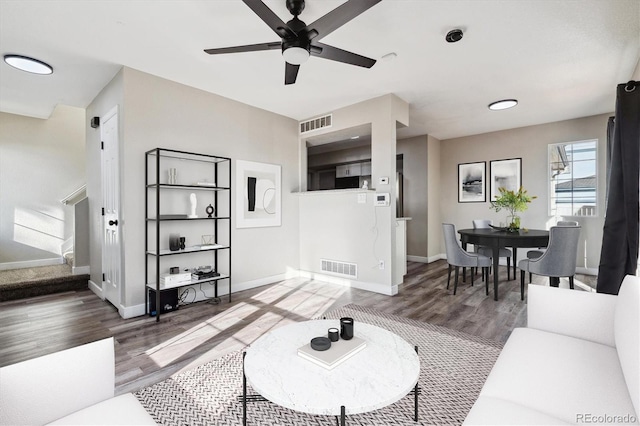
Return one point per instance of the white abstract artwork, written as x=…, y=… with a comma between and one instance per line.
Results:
x=258, y=199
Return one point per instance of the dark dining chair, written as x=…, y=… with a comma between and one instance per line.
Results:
x=536, y=253
x=457, y=257
x=488, y=251
x=559, y=260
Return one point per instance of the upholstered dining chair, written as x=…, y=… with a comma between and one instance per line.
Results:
x=559, y=260
x=488, y=251
x=457, y=257
x=536, y=253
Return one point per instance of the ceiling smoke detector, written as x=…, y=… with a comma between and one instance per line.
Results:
x=454, y=36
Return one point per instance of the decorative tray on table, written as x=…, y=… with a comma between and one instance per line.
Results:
x=499, y=228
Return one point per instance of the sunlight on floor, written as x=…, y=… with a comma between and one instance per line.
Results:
x=172, y=349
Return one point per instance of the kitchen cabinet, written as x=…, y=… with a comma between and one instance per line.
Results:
x=348, y=170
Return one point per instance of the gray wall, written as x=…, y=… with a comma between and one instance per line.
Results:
x=529, y=143
x=160, y=113
x=415, y=193
x=41, y=162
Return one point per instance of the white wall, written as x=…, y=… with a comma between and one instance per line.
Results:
x=161, y=113
x=529, y=143
x=41, y=162
x=320, y=238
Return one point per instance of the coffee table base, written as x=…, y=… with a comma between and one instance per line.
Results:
x=341, y=421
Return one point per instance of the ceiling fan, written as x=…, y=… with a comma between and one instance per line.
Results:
x=300, y=40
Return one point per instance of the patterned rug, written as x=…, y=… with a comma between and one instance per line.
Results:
x=453, y=368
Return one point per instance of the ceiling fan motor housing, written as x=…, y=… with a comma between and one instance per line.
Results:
x=295, y=7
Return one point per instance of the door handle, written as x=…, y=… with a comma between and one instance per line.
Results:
x=113, y=222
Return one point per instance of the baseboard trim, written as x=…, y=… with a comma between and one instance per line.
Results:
x=31, y=263
x=362, y=285
x=587, y=271
x=127, y=312
x=419, y=259
x=97, y=289
x=440, y=256
x=81, y=270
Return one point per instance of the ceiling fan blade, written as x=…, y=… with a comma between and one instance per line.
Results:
x=290, y=73
x=335, y=54
x=340, y=16
x=246, y=48
x=270, y=18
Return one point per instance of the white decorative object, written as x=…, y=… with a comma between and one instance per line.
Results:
x=194, y=203
x=258, y=199
x=386, y=370
x=365, y=185
x=173, y=176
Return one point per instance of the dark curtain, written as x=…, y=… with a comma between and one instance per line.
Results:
x=610, y=124
x=619, y=255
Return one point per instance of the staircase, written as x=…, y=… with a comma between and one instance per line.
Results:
x=31, y=282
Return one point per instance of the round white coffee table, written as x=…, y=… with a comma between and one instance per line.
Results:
x=386, y=370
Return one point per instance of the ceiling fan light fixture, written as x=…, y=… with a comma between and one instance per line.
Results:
x=295, y=55
x=503, y=104
x=25, y=63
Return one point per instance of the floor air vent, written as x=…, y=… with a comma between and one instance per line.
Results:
x=340, y=268
x=315, y=123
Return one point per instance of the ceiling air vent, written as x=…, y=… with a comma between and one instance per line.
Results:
x=339, y=268
x=315, y=123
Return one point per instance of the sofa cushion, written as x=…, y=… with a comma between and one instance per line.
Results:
x=488, y=410
x=57, y=384
x=560, y=376
x=121, y=410
x=626, y=325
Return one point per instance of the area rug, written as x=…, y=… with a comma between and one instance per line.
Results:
x=453, y=369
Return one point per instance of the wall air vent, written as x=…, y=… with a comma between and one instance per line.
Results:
x=316, y=123
x=339, y=268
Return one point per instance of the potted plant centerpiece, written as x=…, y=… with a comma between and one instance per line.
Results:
x=513, y=202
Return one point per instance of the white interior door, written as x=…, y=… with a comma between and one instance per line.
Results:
x=111, y=254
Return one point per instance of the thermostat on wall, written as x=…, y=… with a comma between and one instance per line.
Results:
x=382, y=199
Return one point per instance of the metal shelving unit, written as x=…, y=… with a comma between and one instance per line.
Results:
x=158, y=202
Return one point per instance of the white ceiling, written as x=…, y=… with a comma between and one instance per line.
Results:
x=561, y=59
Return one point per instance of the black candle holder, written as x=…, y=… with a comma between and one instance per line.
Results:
x=346, y=328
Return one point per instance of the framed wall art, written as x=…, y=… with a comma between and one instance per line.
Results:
x=258, y=200
x=472, y=182
x=505, y=174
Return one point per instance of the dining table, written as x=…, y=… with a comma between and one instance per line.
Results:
x=497, y=238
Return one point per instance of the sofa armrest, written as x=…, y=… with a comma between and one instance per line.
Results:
x=573, y=313
x=40, y=390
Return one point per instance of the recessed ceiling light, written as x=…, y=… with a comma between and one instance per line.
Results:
x=27, y=64
x=503, y=104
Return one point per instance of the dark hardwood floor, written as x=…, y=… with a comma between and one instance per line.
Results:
x=148, y=352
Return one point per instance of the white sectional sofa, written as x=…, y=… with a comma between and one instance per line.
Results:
x=70, y=387
x=577, y=362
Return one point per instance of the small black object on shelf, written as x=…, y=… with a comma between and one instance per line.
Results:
x=209, y=209
x=182, y=243
x=320, y=343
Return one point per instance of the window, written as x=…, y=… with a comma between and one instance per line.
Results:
x=572, y=178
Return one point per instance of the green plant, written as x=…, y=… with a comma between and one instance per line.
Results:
x=513, y=202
